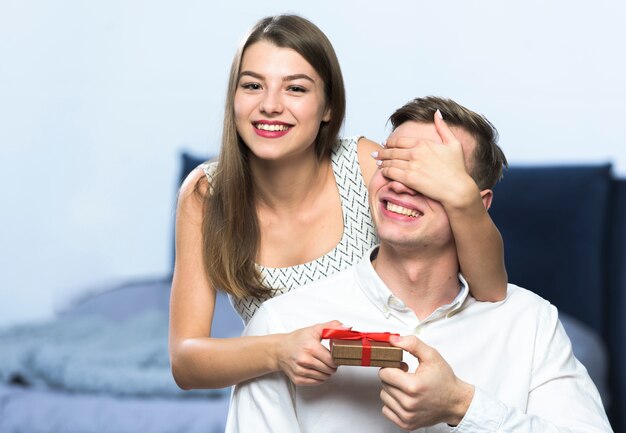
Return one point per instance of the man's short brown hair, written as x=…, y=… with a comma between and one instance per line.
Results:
x=488, y=161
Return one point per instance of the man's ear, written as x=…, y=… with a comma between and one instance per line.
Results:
x=487, y=196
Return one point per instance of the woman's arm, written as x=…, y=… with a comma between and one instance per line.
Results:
x=199, y=361
x=438, y=171
x=478, y=241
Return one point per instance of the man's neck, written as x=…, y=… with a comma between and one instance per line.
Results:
x=423, y=281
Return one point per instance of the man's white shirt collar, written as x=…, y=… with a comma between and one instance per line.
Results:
x=387, y=303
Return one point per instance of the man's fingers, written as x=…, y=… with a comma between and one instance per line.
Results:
x=394, y=418
x=393, y=377
x=392, y=391
x=392, y=402
x=415, y=346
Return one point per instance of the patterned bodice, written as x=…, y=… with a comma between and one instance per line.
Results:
x=358, y=234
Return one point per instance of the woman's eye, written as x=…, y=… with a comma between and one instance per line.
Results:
x=251, y=86
x=297, y=89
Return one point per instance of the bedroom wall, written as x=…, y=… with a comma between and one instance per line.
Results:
x=97, y=99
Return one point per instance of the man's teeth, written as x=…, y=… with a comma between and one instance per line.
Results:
x=402, y=210
x=266, y=127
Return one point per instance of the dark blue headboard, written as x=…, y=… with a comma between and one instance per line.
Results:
x=554, y=222
x=564, y=231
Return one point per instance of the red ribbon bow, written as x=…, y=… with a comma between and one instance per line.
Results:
x=365, y=337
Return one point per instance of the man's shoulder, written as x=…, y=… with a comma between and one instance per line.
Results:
x=316, y=302
x=521, y=294
x=316, y=290
x=522, y=300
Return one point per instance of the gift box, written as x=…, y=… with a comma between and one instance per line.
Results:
x=349, y=347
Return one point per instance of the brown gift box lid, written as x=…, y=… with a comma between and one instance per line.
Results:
x=348, y=352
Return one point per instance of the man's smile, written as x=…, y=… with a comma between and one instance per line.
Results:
x=414, y=213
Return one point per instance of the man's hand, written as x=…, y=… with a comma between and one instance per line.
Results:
x=436, y=170
x=430, y=395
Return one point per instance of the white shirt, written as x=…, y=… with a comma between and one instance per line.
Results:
x=515, y=352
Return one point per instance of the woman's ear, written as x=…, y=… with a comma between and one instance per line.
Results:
x=487, y=196
x=327, y=115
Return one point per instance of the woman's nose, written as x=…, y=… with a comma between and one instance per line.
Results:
x=271, y=103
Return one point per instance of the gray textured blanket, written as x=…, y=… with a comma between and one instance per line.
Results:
x=85, y=354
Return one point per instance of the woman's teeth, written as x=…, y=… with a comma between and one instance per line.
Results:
x=402, y=210
x=266, y=127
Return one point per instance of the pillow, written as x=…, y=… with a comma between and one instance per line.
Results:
x=591, y=351
x=188, y=163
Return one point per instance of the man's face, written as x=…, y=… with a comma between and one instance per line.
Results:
x=404, y=217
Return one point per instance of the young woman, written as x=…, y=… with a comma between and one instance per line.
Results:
x=286, y=204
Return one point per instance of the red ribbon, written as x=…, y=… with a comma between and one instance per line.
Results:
x=365, y=337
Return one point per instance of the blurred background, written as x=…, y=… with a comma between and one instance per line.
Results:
x=98, y=99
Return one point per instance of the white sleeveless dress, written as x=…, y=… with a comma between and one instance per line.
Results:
x=358, y=236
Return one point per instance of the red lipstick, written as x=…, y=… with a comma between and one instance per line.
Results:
x=271, y=128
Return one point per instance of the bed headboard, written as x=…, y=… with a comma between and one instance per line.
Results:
x=564, y=231
x=554, y=222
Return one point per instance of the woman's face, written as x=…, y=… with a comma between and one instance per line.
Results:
x=279, y=102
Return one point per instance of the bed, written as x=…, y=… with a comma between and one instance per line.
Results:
x=101, y=365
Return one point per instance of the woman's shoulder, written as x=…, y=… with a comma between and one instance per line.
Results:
x=358, y=144
x=208, y=168
x=358, y=150
x=366, y=147
x=194, y=187
x=355, y=142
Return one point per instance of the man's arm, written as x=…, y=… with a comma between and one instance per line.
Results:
x=264, y=404
x=562, y=397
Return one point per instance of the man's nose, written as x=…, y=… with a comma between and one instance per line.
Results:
x=400, y=188
x=271, y=103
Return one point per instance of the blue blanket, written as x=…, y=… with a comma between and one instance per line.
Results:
x=93, y=355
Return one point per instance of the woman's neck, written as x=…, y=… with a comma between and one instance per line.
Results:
x=285, y=185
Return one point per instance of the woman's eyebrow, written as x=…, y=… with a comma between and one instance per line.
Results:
x=298, y=77
x=286, y=78
x=251, y=74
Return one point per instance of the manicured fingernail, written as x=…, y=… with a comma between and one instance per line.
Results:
x=378, y=162
x=438, y=113
x=384, y=143
x=374, y=154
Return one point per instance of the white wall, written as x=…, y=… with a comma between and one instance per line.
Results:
x=97, y=99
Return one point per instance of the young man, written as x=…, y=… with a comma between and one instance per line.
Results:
x=483, y=367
